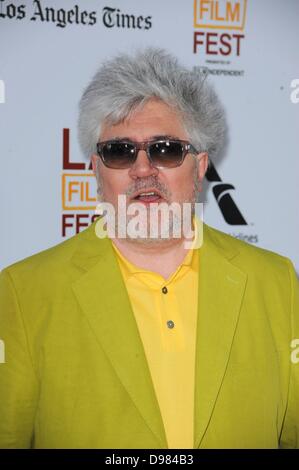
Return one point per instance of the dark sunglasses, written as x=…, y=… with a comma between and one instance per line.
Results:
x=119, y=154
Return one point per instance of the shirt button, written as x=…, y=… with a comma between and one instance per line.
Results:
x=170, y=324
x=164, y=290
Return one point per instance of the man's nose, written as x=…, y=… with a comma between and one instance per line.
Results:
x=142, y=167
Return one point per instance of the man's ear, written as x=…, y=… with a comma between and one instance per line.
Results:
x=94, y=163
x=203, y=163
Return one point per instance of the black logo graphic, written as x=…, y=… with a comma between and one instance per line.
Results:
x=226, y=204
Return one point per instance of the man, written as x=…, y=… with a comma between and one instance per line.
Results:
x=139, y=341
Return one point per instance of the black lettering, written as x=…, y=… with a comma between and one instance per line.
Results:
x=92, y=18
x=84, y=15
x=128, y=21
x=77, y=14
x=50, y=14
x=61, y=18
x=11, y=11
x=148, y=22
x=38, y=12
x=108, y=20
x=2, y=15
x=114, y=17
x=70, y=15
x=139, y=22
x=21, y=12
x=118, y=24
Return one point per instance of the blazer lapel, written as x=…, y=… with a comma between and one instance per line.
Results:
x=221, y=289
x=103, y=298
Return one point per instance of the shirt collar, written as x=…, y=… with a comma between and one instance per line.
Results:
x=191, y=259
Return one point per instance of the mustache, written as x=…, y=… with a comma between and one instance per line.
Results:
x=147, y=183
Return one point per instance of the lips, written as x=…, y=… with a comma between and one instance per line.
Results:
x=147, y=195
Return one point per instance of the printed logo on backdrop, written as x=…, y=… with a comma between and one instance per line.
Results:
x=227, y=205
x=78, y=192
x=219, y=35
x=218, y=39
x=40, y=11
x=115, y=18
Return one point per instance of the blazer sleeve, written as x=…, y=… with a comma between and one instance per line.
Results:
x=290, y=431
x=18, y=382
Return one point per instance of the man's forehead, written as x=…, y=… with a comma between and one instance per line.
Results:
x=154, y=121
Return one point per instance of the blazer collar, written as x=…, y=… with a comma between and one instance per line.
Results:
x=221, y=290
x=103, y=298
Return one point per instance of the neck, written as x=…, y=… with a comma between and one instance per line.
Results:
x=162, y=258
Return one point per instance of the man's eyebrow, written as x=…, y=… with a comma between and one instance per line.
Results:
x=164, y=136
x=152, y=137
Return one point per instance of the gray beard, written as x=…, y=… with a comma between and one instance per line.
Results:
x=166, y=230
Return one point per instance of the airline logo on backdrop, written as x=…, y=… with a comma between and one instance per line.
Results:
x=79, y=195
x=219, y=36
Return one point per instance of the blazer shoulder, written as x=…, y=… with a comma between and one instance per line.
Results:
x=248, y=254
x=53, y=259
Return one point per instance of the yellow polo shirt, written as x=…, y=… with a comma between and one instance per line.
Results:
x=166, y=315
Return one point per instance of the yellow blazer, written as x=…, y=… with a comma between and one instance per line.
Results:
x=76, y=375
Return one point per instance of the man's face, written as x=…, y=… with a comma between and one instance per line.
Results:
x=178, y=184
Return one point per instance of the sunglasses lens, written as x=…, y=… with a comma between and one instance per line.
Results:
x=118, y=154
x=166, y=154
x=122, y=155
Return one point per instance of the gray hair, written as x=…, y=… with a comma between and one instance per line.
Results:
x=126, y=82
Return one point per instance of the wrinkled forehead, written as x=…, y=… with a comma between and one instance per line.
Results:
x=154, y=118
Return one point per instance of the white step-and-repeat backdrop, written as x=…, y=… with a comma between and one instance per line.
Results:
x=49, y=51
